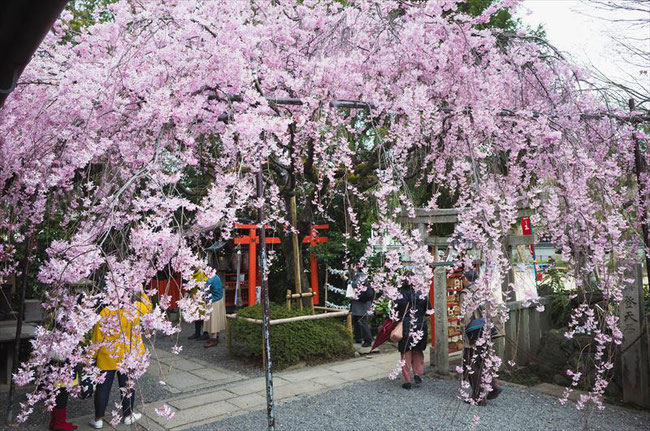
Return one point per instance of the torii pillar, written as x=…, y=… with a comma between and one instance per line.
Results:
x=313, y=239
x=252, y=240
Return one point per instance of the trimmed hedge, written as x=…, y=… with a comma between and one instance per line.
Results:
x=307, y=340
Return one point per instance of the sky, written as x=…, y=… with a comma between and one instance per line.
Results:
x=575, y=28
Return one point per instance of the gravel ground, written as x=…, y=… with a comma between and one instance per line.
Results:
x=147, y=386
x=217, y=355
x=384, y=405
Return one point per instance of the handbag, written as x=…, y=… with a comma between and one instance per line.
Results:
x=349, y=293
x=397, y=333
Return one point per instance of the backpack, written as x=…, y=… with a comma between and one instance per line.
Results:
x=474, y=329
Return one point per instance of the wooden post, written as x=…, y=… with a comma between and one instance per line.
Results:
x=435, y=249
x=523, y=353
x=296, y=250
x=311, y=301
x=510, y=352
x=307, y=294
x=422, y=229
x=327, y=273
x=288, y=299
x=348, y=323
x=535, y=332
x=440, y=352
x=634, y=359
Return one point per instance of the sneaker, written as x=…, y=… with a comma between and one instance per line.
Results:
x=204, y=337
x=96, y=424
x=366, y=344
x=417, y=379
x=194, y=337
x=406, y=385
x=495, y=393
x=132, y=418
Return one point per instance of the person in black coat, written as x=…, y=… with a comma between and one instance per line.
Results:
x=411, y=310
x=359, y=309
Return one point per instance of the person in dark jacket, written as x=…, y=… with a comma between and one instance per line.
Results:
x=411, y=310
x=359, y=308
x=473, y=355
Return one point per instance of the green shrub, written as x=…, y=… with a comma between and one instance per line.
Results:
x=307, y=340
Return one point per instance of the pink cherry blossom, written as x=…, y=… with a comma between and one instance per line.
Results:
x=106, y=130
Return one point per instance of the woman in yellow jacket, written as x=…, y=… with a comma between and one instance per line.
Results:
x=118, y=343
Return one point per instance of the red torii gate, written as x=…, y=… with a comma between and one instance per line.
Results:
x=252, y=239
x=312, y=240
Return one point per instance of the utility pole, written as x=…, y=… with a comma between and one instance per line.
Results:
x=266, y=334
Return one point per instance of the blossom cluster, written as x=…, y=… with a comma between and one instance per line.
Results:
x=106, y=129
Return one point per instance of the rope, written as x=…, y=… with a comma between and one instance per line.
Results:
x=335, y=289
x=338, y=307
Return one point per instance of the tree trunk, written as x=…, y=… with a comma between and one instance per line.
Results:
x=304, y=221
x=19, y=329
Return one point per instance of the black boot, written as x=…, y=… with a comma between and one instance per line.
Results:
x=494, y=393
x=198, y=325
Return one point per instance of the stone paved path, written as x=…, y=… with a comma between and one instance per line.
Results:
x=183, y=375
x=201, y=393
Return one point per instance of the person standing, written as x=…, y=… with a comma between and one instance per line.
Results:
x=473, y=354
x=216, y=321
x=411, y=309
x=58, y=418
x=58, y=421
x=115, y=347
x=199, y=278
x=359, y=308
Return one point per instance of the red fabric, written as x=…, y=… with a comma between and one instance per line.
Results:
x=384, y=333
x=414, y=360
x=58, y=421
x=168, y=287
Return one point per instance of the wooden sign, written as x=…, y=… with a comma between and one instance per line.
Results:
x=636, y=386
